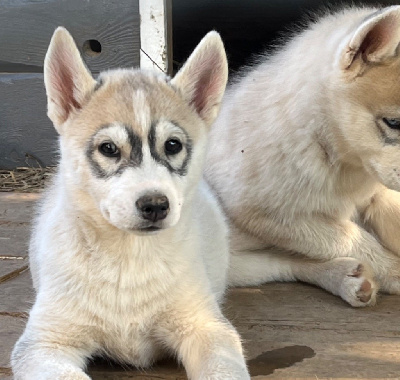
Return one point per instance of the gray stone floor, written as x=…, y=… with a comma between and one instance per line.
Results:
x=290, y=331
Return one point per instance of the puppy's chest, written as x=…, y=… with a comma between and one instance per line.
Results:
x=125, y=298
x=124, y=293
x=131, y=290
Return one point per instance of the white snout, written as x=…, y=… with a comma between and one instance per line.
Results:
x=121, y=207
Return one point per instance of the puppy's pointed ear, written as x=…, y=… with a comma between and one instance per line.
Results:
x=374, y=41
x=202, y=80
x=68, y=82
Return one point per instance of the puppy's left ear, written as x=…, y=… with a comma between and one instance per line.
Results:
x=374, y=41
x=202, y=79
x=67, y=80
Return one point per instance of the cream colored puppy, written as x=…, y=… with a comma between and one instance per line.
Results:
x=305, y=158
x=129, y=253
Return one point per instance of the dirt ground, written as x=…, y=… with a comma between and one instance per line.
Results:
x=290, y=331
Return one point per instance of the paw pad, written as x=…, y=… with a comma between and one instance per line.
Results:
x=365, y=293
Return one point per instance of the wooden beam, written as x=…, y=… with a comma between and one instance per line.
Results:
x=156, y=35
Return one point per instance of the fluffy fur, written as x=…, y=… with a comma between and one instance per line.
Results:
x=306, y=165
x=106, y=283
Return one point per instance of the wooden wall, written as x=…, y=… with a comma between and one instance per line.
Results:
x=27, y=136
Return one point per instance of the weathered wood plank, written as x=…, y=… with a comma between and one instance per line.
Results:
x=27, y=136
x=347, y=342
x=26, y=27
x=10, y=330
x=156, y=35
x=15, y=229
x=12, y=267
x=17, y=207
x=16, y=295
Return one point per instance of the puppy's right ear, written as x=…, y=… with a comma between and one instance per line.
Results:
x=374, y=41
x=202, y=79
x=67, y=80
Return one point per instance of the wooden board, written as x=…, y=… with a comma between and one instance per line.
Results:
x=27, y=136
x=26, y=27
x=156, y=35
x=11, y=327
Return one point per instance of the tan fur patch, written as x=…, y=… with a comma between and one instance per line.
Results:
x=115, y=101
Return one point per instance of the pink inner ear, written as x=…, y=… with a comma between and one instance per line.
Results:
x=379, y=36
x=208, y=83
x=63, y=82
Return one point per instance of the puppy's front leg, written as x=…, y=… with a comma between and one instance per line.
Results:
x=38, y=362
x=382, y=215
x=206, y=343
x=49, y=351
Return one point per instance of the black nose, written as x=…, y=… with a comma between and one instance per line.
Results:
x=153, y=207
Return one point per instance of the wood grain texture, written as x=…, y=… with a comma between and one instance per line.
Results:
x=347, y=342
x=155, y=34
x=26, y=27
x=16, y=295
x=10, y=268
x=14, y=232
x=27, y=136
x=10, y=330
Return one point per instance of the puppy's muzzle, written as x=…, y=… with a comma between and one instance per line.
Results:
x=153, y=207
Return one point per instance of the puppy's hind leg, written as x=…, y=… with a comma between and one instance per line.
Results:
x=346, y=277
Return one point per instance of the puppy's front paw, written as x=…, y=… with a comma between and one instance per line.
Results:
x=226, y=370
x=358, y=286
x=73, y=376
x=52, y=372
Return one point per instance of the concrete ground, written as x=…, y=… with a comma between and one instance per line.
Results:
x=290, y=331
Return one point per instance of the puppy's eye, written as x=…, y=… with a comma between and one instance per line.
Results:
x=109, y=149
x=392, y=123
x=172, y=147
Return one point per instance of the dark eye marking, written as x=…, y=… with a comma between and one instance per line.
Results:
x=392, y=123
x=109, y=149
x=135, y=142
x=172, y=147
x=387, y=140
x=98, y=84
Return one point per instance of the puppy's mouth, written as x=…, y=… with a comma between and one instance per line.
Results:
x=150, y=229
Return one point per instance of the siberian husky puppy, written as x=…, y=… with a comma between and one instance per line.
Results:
x=305, y=158
x=129, y=252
